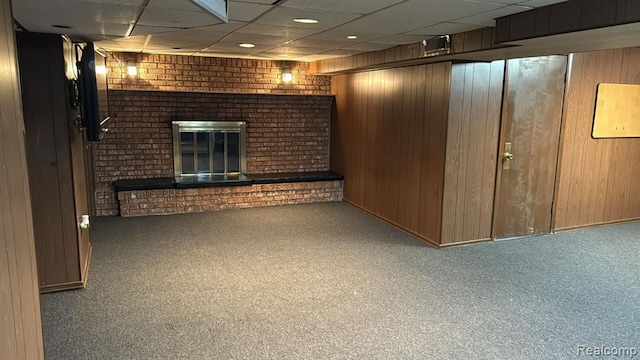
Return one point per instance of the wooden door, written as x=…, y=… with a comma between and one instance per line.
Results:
x=531, y=117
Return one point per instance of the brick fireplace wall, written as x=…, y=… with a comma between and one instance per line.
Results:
x=211, y=74
x=287, y=124
x=180, y=201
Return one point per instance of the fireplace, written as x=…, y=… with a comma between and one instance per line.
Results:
x=209, y=149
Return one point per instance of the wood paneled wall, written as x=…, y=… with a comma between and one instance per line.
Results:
x=597, y=178
x=388, y=139
x=472, y=146
x=49, y=157
x=20, y=325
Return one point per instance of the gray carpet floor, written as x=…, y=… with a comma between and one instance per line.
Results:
x=326, y=281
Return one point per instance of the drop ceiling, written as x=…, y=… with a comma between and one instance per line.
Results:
x=181, y=27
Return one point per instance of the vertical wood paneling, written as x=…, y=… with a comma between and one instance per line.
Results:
x=395, y=121
x=471, y=146
x=628, y=11
x=597, y=177
x=20, y=325
x=56, y=162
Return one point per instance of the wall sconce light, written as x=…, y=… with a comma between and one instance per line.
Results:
x=287, y=76
x=132, y=69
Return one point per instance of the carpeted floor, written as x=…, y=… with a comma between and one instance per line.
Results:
x=326, y=281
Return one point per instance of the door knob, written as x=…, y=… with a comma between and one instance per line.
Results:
x=507, y=156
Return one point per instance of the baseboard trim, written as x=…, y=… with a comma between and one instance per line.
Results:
x=468, y=242
x=85, y=268
x=62, y=286
x=410, y=232
x=605, y=223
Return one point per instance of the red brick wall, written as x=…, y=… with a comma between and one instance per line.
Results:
x=210, y=74
x=285, y=133
x=178, y=201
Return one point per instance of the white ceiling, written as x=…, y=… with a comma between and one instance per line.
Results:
x=181, y=27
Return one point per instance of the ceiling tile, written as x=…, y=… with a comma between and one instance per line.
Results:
x=263, y=2
x=110, y=2
x=146, y=30
x=443, y=29
x=257, y=39
x=488, y=18
x=321, y=44
x=85, y=18
x=351, y=6
x=437, y=10
x=289, y=32
x=245, y=12
x=219, y=28
x=188, y=37
x=540, y=3
x=184, y=5
x=230, y=47
x=387, y=26
x=506, y=2
x=367, y=46
x=224, y=27
x=133, y=43
x=340, y=52
x=281, y=16
x=401, y=39
x=294, y=50
x=315, y=57
x=176, y=18
x=339, y=34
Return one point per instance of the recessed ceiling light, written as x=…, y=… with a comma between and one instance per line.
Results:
x=247, y=45
x=352, y=37
x=306, y=21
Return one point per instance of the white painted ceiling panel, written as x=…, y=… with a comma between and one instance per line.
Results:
x=176, y=18
x=289, y=50
x=269, y=40
x=540, y=3
x=350, y=6
x=288, y=32
x=437, y=10
x=338, y=34
x=401, y=39
x=371, y=23
x=263, y=2
x=184, y=5
x=367, y=47
x=339, y=52
x=488, y=18
x=229, y=27
x=246, y=12
x=112, y=2
x=506, y=2
x=281, y=16
x=323, y=44
x=192, y=36
x=443, y=29
x=232, y=47
x=38, y=16
x=164, y=25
